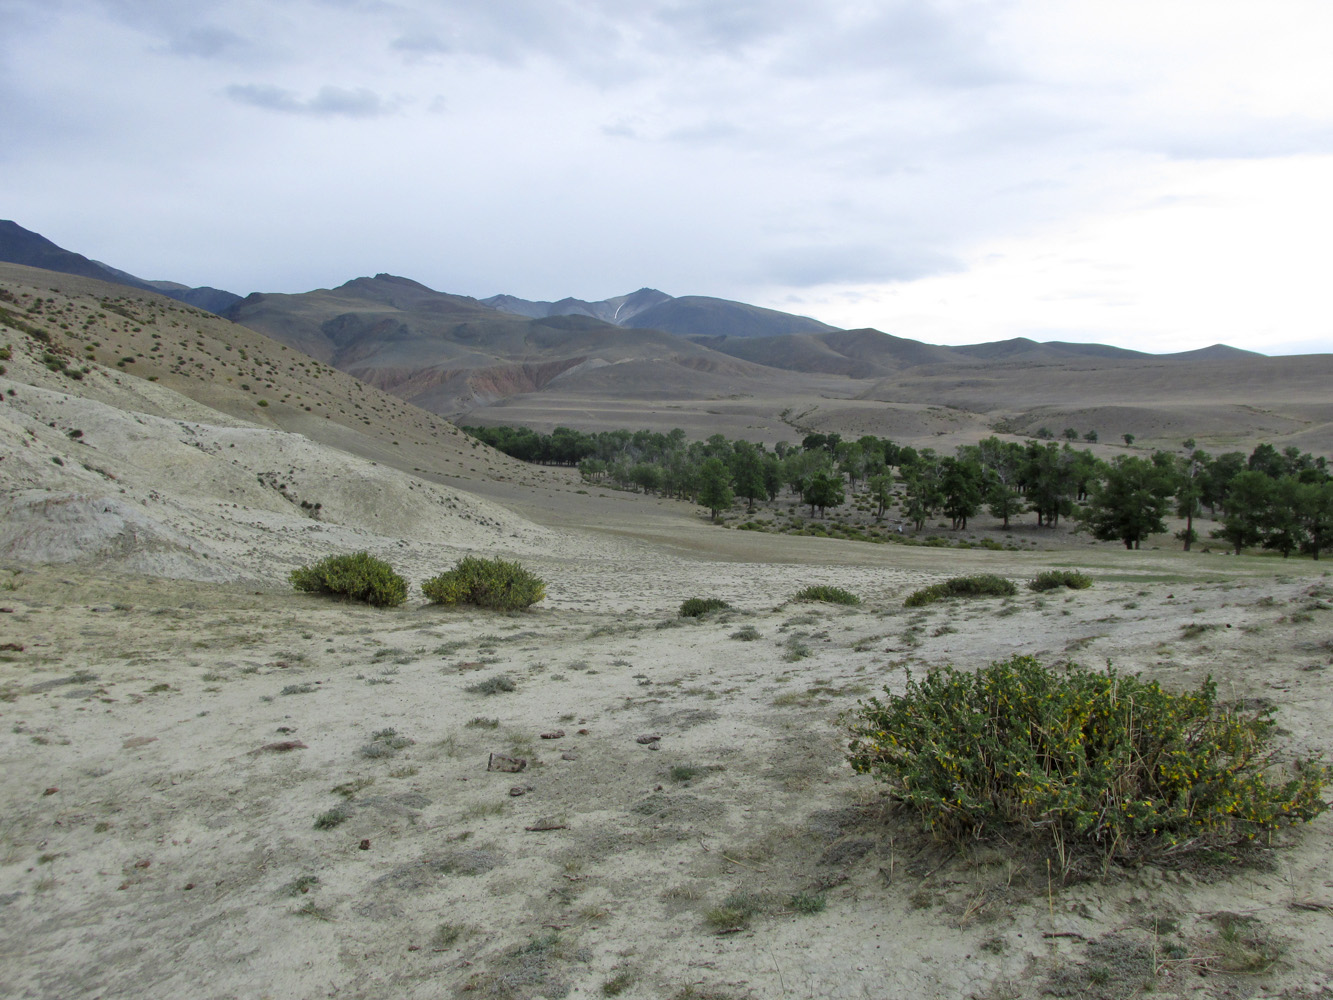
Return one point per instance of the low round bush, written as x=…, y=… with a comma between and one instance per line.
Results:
x=1103, y=760
x=697, y=607
x=829, y=595
x=1054, y=579
x=487, y=583
x=357, y=577
x=980, y=585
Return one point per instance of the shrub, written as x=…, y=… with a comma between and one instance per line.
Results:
x=1102, y=760
x=487, y=583
x=829, y=595
x=697, y=607
x=1054, y=579
x=981, y=585
x=358, y=577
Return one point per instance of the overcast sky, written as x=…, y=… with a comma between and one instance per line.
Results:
x=1156, y=174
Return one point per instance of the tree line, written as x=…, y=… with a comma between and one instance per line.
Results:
x=1279, y=500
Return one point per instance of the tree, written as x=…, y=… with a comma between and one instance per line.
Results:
x=1090, y=437
x=960, y=487
x=1070, y=434
x=747, y=472
x=1316, y=512
x=1130, y=502
x=715, y=486
x=1129, y=439
x=881, y=491
x=1283, y=527
x=823, y=491
x=1188, y=490
x=1247, y=503
x=1004, y=501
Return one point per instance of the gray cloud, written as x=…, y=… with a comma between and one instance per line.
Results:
x=328, y=101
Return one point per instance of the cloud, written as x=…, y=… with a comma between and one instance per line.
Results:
x=207, y=42
x=328, y=101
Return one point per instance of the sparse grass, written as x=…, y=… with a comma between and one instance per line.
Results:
x=385, y=743
x=447, y=935
x=336, y=816
x=980, y=585
x=297, y=689
x=493, y=685
x=482, y=722
x=1054, y=579
x=807, y=903
x=827, y=594
x=795, y=648
x=299, y=886
x=697, y=607
x=617, y=984
x=1195, y=629
x=684, y=772
x=746, y=633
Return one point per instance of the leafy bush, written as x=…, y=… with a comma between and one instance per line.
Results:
x=1103, y=760
x=487, y=583
x=358, y=577
x=829, y=595
x=697, y=607
x=1054, y=579
x=981, y=585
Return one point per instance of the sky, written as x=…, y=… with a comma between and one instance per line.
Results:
x=1155, y=174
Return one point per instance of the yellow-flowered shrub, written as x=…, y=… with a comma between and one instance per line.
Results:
x=1104, y=759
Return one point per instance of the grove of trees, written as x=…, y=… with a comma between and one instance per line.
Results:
x=1278, y=500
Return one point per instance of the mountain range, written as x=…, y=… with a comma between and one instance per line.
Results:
x=649, y=359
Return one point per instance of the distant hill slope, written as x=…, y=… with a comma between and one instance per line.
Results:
x=449, y=353
x=22, y=246
x=687, y=316
x=615, y=310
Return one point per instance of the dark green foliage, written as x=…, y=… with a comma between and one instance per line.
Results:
x=697, y=607
x=1102, y=760
x=829, y=595
x=1053, y=579
x=1129, y=504
x=357, y=577
x=487, y=583
x=715, y=491
x=980, y=585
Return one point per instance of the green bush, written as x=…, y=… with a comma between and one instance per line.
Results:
x=1054, y=579
x=1102, y=760
x=358, y=577
x=487, y=583
x=697, y=607
x=981, y=585
x=829, y=595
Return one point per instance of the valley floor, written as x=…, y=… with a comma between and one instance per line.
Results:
x=157, y=839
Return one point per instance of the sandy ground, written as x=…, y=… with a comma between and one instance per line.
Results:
x=152, y=846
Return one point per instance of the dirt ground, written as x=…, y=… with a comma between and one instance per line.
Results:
x=157, y=839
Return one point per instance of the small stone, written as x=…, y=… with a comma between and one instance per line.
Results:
x=583, y=732
x=188, y=886
x=569, y=755
x=554, y=734
x=647, y=740
x=51, y=791
x=518, y=790
x=364, y=846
